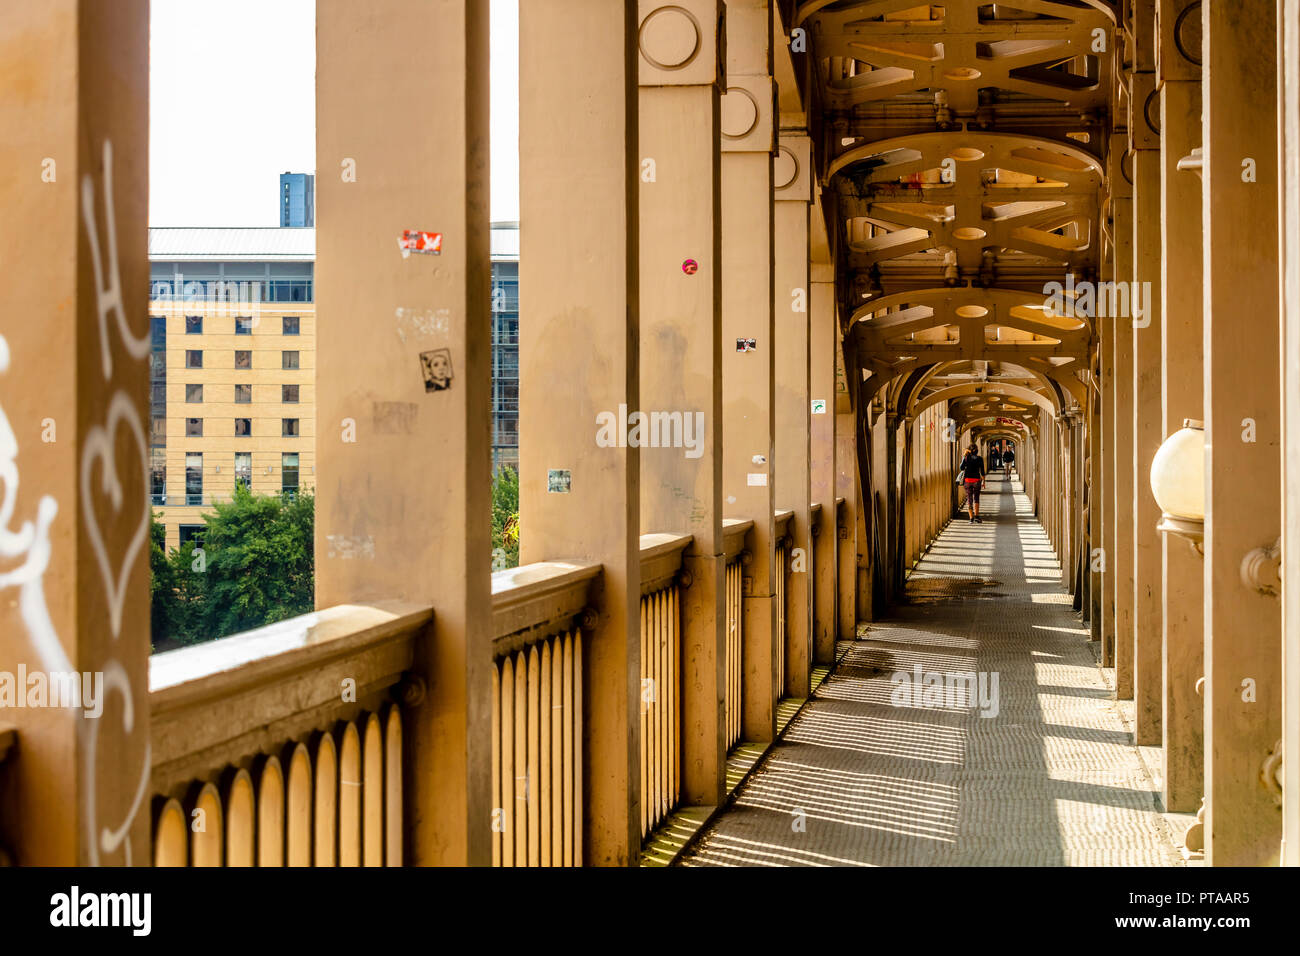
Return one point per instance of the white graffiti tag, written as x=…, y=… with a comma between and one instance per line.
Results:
x=99, y=444
x=108, y=299
x=32, y=540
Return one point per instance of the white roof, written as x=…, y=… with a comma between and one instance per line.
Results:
x=505, y=242
x=274, y=243
x=258, y=243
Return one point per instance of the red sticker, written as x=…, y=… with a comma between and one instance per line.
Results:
x=426, y=243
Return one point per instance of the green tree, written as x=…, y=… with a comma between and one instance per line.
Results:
x=505, y=518
x=253, y=565
x=163, y=600
x=260, y=566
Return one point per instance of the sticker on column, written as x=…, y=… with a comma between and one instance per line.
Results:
x=746, y=345
x=756, y=480
x=424, y=243
x=558, y=481
x=690, y=267
x=436, y=366
x=819, y=406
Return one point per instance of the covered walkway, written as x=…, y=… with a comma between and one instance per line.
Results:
x=781, y=263
x=1038, y=769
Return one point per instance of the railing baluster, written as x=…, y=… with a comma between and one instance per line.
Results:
x=506, y=792
x=532, y=782
x=372, y=793
x=572, y=775
x=350, y=796
x=206, y=840
x=393, y=802
x=270, y=812
x=171, y=838
x=326, y=796
x=545, y=735
x=298, y=806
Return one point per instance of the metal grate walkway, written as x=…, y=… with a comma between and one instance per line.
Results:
x=1037, y=770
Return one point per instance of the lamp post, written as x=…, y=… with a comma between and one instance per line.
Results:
x=1178, y=483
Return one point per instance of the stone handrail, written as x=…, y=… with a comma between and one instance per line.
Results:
x=733, y=535
x=221, y=703
x=534, y=601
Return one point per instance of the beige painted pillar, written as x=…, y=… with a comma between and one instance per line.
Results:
x=823, y=336
x=1289, y=57
x=792, y=181
x=579, y=308
x=74, y=360
x=1243, y=634
x=846, y=487
x=680, y=345
x=402, y=102
x=1121, y=559
x=1096, y=502
x=748, y=130
x=1109, y=513
x=1181, y=398
x=1148, y=418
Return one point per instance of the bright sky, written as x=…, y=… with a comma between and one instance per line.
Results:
x=232, y=105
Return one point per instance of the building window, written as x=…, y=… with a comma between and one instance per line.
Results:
x=289, y=473
x=288, y=359
x=158, y=432
x=158, y=331
x=192, y=532
x=243, y=427
x=244, y=469
x=193, y=325
x=194, y=478
x=289, y=394
x=243, y=358
x=289, y=427
x=243, y=326
x=194, y=358
x=158, y=477
x=243, y=394
x=158, y=393
x=193, y=428
x=193, y=393
x=291, y=325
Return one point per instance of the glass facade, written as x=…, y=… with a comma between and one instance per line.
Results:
x=208, y=283
x=297, y=199
x=158, y=409
x=193, y=478
x=505, y=365
x=158, y=476
x=289, y=473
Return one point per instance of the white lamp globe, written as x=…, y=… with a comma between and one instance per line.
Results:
x=1178, y=474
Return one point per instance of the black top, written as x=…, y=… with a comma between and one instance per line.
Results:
x=972, y=467
x=1009, y=455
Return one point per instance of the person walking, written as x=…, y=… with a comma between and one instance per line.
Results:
x=972, y=472
x=1009, y=458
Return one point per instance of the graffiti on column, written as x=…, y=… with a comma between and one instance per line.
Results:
x=99, y=444
x=31, y=540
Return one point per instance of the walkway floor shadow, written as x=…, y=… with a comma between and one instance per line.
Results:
x=1031, y=765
